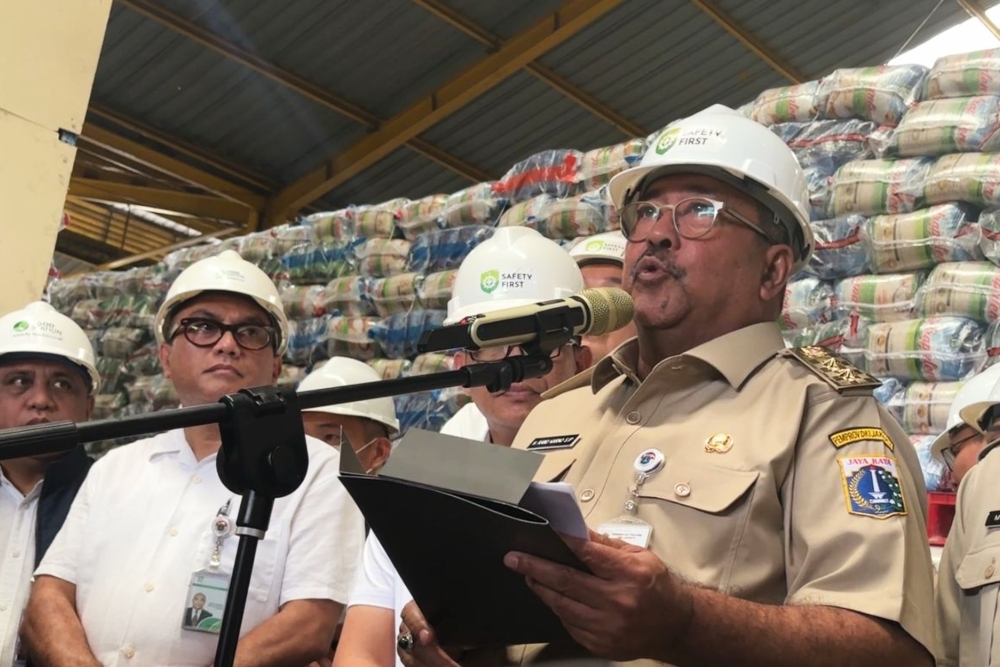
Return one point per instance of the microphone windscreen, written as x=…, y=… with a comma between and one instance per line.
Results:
x=610, y=309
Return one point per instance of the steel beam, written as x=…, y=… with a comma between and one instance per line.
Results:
x=554, y=80
x=759, y=48
x=544, y=35
x=159, y=253
x=203, y=206
x=975, y=11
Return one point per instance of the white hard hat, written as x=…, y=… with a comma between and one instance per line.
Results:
x=725, y=144
x=39, y=330
x=517, y=266
x=607, y=247
x=979, y=393
x=225, y=272
x=342, y=372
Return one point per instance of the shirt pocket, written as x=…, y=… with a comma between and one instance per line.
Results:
x=705, y=509
x=979, y=577
x=264, y=564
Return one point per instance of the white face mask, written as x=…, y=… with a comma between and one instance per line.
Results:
x=357, y=452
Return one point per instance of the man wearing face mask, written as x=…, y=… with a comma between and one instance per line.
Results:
x=367, y=425
x=516, y=267
x=959, y=446
x=47, y=374
x=153, y=525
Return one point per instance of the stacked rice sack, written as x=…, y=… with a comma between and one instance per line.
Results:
x=903, y=166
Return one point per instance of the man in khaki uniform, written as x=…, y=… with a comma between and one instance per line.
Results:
x=968, y=617
x=772, y=512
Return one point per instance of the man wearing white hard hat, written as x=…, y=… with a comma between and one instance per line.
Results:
x=516, y=267
x=47, y=374
x=601, y=258
x=153, y=524
x=967, y=613
x=748, y=504
x=366, y=425
x=959, y=446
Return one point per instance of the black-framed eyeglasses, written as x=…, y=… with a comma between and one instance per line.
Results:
x=503, y=351
x=693, y=218
x=951, y=452
x=203, y=332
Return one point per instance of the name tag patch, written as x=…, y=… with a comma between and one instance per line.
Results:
x=554, y=442
x=852, y=435
x=993, y=519
x=871, y=486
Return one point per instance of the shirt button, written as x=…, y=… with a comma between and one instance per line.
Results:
x=149, y=587
x=587, y=495
x=3, y=607
x=682, y=490
x=16, y=554
x=128, y=652
x=990, y=571
x=633, y=418
x=173, y=531
x=196, y=479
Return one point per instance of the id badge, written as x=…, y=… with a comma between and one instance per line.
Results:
x=628, y=529
x=206, y=601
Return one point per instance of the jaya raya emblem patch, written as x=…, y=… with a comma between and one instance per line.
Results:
x=871, y=486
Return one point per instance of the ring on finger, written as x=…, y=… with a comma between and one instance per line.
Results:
x=404, y=641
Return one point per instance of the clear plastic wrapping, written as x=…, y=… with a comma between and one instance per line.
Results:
x=527, y=213
x=936, y=349
x=962, y=289
x=303, y=301
x=554, y=173
x=390, y=369
x=445, y=249
x=838, y=251
x=307, y=341
x=937, y=127
x=922, y=239
x=583, y=215
x=398, y=334
x=350, y=295
x=922, y=407
x=880, y=94
x=378, y=258
x=379, y=220
x=349, y=337
x=475, y=205
x=395, y=294
x=989, y=235
x=318, y=264
x=889, y=297
x=331, y=226
x=828, y=144
x=873, y=187
x=120, y=342
x=435, y=290
x=785, y=104
x=967, y=177
x=421, y=216
x=808, y=301
x=964, y=75
x=933, y=470
x=598, y=166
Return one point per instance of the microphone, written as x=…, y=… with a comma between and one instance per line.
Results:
x=592, y=312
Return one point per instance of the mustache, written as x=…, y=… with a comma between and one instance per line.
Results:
x=661, y=256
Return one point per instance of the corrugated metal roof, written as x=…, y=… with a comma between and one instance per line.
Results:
x=651, y=60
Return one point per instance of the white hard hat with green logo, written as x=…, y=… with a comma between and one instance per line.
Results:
x=516, y=267
x=606, y=247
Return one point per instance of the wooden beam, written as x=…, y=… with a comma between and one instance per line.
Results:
x=159, y=253
x=544, y=35
x=759, y=48
x=554, y=80
x=975, y=11
x=203, y=206
x=183, y=147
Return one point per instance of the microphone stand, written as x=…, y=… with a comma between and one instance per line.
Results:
x=263, y=454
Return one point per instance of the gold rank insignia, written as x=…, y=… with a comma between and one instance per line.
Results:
x=720, y=443
x=835, y=370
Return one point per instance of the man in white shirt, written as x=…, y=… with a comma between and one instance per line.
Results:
x=153, y=524
x=47, y=374
x=516, y=267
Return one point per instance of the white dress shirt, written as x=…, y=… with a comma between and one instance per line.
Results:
x=17, y=545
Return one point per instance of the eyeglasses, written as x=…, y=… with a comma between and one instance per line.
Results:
x=504, y=351
x=202, y=332
x=950, y=453
x=693, y=218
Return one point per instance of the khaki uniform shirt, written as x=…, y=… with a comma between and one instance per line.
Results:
x=776, y=513
x=968, y=619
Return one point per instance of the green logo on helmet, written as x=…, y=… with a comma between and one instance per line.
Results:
x=667, y=140
x=594, y=246
x=21, y=326
x=489, y=281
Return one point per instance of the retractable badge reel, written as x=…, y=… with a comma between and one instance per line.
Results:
x=206, y=597
x=628, y=527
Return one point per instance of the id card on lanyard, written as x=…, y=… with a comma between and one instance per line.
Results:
x=209, y=586
x=628, y=527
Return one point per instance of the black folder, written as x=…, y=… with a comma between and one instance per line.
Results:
x=446, y=511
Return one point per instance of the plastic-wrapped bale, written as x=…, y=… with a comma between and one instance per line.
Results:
x=526, y=213
x=350, y=337
x=888, y=390
x=434, y=291
x=318, y=264
x=378, y=258
x=307, y=341
x=86, y=313
x=106, y=405
x=922, y=407
x=583, y=215
x=291, y=376
x=398, y=334
x=881, y=94
x=350, y=295
x=969, y=177
x=395, y=294
x=181, y=259
x=992, y=344
x=963, y=289
x=785, y=104
x=845, y=337
x=922, y=239
x=445, y=249
x=428, y=410
x=808, y=301
x=121, y=342
x=473, y=206
x=554, y=173
x=829, y=144
x=153, y=392
x=390, y=369
x=144, y=361
x=889, y=297
x=302, y=302
x=989, y=235
x=113, y=379
x=378, y=221
x=873, y=187
x=601, y=164
x=291, y=236
x=936, y=349
x=421, y=216
x=938, y=127
x=65, y=293
x=819, y=184
x=838, y=251
x=964, y=75
x=432, y=362
x=934, y=471
x=331, y=226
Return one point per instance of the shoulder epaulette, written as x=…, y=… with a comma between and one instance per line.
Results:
x=834, y=369
x=579, y=380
